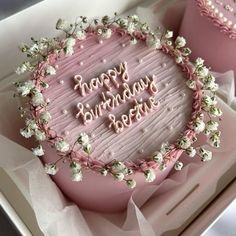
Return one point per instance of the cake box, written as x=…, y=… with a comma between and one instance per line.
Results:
x=178, y=199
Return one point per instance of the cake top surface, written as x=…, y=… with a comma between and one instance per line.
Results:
x=222, y=13
x=116, y=97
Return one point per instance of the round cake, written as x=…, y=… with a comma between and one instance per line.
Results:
x=114, y=105
x=209, y=27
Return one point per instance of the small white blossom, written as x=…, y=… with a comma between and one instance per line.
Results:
x=184, y=142
x=215, y=139
x=118, y=166
x=37, y=99
x=26, y=132
x=45, y=116
x=191, y=83
x=76, y=176
x=179, y=165
x=153, y=42
x=212, y=125
x=87, y=148
x=165, y=147
x=180, y=42
x=198, y=125
x=119, y=176
x=107, y=33
x=23, y=89
x=62, y=24
x=157, y=157
x=199, y=62
x=26, y=66
x=38, y=151
x=150, y=175
x=51, y=168
x=215, y=111
x=191, y=151
x=133, y=41
x=202, y=71
x=131, y=183
x=81, y=34
x=50, y=70
x=168, y=34
x=206, y=101
x=39, y=135
x=31, y=124
x=69, y=51
x=70, y=42
x=75, y=166
x=186, y=51
x=134, y=18
x=178, y=59
x=205, y=155
x=104, y=172
x=62, y=146
x=83, y=139
x=131, y=27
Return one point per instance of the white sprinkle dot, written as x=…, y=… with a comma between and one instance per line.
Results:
x=81, y=46
x=220, y=14
x=66, y=132
x=56, y=66
x=163, y=65
x=48, y=100
x=64, y=111
x=123, y=45
x=140, y=100
x=230, y=23
x=144, y=130
x=87, y=105
x=141, y=151
x=61, y=81
x=100, y=41
x=234, y=26
x=81, y=63
x=104, y=60
x=225, y=19
x=140, y=60
x=170, y=127
x=92, y=135
x=166, y=85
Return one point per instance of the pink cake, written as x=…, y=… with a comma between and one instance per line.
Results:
x=209, y=27
x=114, y=105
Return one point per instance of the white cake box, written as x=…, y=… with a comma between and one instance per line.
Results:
x=170, y=213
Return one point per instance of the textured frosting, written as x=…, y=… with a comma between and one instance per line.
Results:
x=92, y=58
x=222, y=18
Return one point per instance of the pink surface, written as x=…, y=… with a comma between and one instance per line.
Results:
x=206, y=40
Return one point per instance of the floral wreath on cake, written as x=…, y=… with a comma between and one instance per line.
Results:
x=46, y=51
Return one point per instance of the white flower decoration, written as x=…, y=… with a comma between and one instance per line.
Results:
x=198, y=125
x=45, y=116
x=23, y=89
x=162, y=167
x=26, y=66
x=191, y=83
x=184, y=142
x=75, y=166
x=83, y=139
x=104, y=172
x=119, y=176
x=50, y=70
x=76, y=176
x=62, y=146
x=180, y=42
x=81, y=34
x=199, y=62
x=26, y=132
x=157, y=157
x=202, y=71
x=39, y=135
x=178, y=59
x=215, y=111
x=37, y=99
x=215, y=139
x=191, y=151
x=69, y=51
x=70, y=42
x=212, y=125
x=118, y=166
x=206, y=101
x=131, y=183
x=153, y=42
x=150, y=175
x=87, y=148
x=31, y=124
x=179, y=165
x=38, y=151
x=205, y=155
x=51, y=168
x=61, y=24
x=168, y=34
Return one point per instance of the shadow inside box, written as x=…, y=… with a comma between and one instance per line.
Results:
x=8, y=8
x=7, y=228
